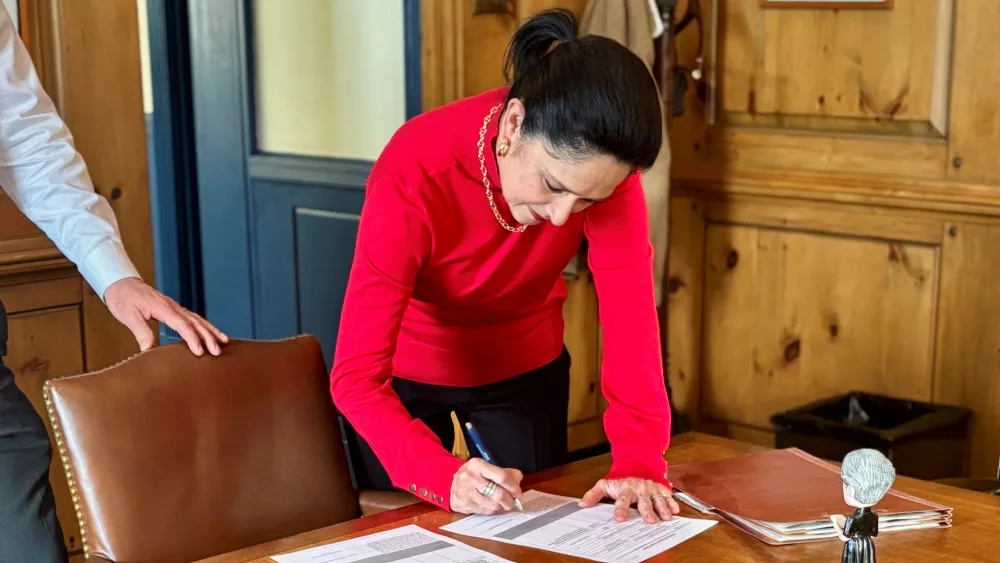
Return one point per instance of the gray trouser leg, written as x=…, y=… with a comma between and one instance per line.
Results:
x=29, y=530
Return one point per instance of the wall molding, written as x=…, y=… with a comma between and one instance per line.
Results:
x=884, y=191
x=321, y=171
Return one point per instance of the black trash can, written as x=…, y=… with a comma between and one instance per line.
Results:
x=923, y=440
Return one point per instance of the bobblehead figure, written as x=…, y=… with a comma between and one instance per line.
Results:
x=867, y=476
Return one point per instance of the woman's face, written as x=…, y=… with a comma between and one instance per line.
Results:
x=540, y=186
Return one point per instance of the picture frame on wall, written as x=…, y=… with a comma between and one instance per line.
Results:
x=827, y=4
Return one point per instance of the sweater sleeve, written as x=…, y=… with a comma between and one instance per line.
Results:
x=637, y=421
x=393, y=241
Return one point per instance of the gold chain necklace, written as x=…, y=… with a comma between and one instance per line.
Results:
x=486, y=180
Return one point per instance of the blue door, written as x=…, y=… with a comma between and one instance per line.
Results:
x=292, y=101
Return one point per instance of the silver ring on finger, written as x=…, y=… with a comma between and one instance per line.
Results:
x=488, y=489
x=659, y=496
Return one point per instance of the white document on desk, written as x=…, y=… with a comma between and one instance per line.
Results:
x=556, y=523
x=408, y=544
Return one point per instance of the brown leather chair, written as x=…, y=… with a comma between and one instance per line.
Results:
x=988, y=486
x=172, y=457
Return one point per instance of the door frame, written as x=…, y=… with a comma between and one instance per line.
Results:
x=172, y=172
x=206, y=156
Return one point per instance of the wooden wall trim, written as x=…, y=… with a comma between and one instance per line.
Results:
x=26, y=256
x=944, y=38
x=974, y=83
x=744, y=147
x=54, y=290
x=885, y=191
x=19, y=245
x=24, y=272
x=821, y=217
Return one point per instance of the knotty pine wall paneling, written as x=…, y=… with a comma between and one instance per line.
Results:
x=835, y=204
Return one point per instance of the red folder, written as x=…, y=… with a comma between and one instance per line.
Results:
x=787, y=496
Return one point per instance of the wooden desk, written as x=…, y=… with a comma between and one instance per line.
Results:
x=973, y=537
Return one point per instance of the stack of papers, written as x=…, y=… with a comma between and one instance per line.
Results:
x=558, y=524
x=550, y=522
x=781, y=533
x=788, y=496
x=408, y=544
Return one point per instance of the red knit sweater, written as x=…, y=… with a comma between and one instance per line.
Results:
x=440, y=293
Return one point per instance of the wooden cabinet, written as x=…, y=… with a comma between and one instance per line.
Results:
x=835, y=213
x=43, y=297
x=967, y=351
x=47, y=343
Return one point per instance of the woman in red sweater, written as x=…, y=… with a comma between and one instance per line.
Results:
x=455, y=296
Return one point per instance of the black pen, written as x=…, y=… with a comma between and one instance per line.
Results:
x=486, y=454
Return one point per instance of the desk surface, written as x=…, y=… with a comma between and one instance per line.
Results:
x=972, y=538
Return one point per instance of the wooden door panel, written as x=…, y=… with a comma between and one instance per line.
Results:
x=973, y=134
x=44, y=345
x=323, y=270
x=791, y=317
x=875, y=64
x=305, y=235
x=968, y=344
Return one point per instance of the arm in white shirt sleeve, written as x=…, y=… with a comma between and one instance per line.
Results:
x=46, y=177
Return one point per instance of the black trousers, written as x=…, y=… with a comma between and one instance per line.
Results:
x=522, y=420
x=29, y=530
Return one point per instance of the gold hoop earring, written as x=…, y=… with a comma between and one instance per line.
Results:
x=504, y=147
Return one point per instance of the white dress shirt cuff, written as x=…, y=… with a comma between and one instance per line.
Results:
x=106, y=264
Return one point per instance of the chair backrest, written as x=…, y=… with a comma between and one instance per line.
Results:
x=174, y=457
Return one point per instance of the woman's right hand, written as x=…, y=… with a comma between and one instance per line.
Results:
x=473, y=477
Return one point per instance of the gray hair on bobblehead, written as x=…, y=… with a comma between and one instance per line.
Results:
x=869, y=473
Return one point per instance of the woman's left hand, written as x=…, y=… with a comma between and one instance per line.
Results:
x=654, y=500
